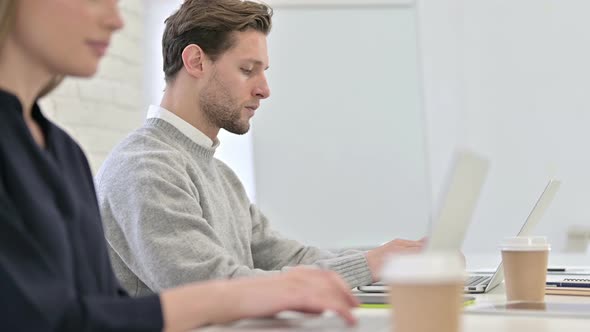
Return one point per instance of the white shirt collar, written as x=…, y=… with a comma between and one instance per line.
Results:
x=184, y=127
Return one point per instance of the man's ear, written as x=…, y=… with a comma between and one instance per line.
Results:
x=193, y=59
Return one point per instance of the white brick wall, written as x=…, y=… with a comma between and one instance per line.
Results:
x=101, y=111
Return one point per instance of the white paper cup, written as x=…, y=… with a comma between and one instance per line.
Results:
x=525, y=267
x=426, y=291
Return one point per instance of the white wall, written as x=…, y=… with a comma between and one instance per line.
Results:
x=510, y=79
x=99, y=112
x=439, y=26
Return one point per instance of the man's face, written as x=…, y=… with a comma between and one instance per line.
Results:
x=237, y=83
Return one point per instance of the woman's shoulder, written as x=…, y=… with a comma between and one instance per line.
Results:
x=60, y=137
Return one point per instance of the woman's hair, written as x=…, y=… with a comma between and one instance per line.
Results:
x=7, y=15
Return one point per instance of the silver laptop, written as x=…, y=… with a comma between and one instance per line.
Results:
x=484, y=283
x=463, y=189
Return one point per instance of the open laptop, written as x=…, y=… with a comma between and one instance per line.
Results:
x=482, y=283
x=485, y=282
x=463, y=189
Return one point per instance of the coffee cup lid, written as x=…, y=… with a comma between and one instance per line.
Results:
x=525, y=243
x=440, y=267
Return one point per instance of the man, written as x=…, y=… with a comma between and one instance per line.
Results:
x=172, y=212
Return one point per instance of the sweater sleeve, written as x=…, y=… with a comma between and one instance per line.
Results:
x=37, y=296
x=272, y=251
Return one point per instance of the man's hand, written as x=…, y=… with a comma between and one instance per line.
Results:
x=377, y=256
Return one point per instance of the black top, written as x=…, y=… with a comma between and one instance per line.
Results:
x=55, y=273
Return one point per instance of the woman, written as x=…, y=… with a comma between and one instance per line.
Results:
x=55, y=273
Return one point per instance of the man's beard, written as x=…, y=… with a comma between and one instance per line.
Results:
x=222, y=110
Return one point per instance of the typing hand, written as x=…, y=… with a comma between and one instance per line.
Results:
x=301, y=289
x=377, y=256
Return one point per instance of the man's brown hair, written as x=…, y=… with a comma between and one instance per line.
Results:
x=209, y=24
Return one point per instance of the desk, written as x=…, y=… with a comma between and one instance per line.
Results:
x=378, y=320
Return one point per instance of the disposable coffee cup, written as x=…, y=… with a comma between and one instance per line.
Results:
x=525, y=267
x=425, y=291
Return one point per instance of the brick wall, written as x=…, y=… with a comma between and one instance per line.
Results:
x=101, y=111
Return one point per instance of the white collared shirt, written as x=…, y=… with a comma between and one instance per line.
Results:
x=184, y=127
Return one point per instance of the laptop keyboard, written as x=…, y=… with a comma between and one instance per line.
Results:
x=477, y=280
x=471, y=281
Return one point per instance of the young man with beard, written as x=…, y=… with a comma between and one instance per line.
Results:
x=173, y=213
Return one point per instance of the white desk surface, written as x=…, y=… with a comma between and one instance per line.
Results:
x=378, y=320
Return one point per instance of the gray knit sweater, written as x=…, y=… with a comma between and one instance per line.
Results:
x=174, y=214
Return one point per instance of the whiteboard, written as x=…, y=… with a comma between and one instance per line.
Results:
x=339, y=148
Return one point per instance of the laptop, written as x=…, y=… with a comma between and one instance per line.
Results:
x=485, y=282
x=482, y=283
x=463, y=189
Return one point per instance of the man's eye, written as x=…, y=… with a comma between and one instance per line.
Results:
x=246, y=71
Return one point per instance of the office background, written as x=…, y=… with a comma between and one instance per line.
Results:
x=369, y=99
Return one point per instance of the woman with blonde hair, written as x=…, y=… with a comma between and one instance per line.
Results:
x=55, y=273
